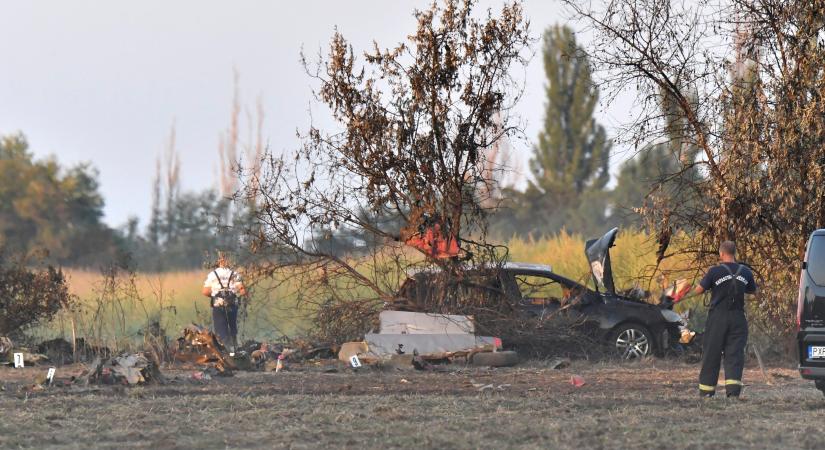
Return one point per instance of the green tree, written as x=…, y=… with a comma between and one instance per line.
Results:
x=665, y=167
x=570, y=163
x=44, y=207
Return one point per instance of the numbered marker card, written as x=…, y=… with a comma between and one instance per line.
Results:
x=18, y=360
x=50, y=375
x=356, y=363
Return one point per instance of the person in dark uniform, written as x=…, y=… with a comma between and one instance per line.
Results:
x=726, y=330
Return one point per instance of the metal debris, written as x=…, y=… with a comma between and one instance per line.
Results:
x=199, y=345
x=126, y=369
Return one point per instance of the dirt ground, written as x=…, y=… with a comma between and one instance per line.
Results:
x=651, y=404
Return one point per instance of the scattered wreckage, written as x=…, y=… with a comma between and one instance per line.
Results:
x=126, y=369
x=422, y=339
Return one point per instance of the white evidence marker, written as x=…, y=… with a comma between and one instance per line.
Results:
x=18, y=360
x=50, y=375
x=356, y=363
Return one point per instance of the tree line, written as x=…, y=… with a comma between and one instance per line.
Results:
x=52, y=213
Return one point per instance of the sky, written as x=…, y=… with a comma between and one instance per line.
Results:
x=104, y=81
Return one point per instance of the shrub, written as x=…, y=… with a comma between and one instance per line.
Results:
x=30, y=296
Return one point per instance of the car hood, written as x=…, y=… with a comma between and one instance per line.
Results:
x=598, y=256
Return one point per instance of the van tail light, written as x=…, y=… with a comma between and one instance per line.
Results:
x=497, y=343
x=806, y=371
x=800, y=303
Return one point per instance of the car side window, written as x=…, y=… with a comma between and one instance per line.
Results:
x=533, y=287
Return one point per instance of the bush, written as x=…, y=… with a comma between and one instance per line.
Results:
x=28, y=297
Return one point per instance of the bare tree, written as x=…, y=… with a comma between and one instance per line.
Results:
x=414, y=125
x=746, y=77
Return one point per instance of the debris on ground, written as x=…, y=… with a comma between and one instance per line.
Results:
x=57, y=351
x=305, y=350
x=558, y=363
x=29, y=358
x=204, y=375
x=127, y=369
x=494, y=359
x=199, y=345
x=6, y=345
x=424, y=340
x=577, y=381
x=481, y=387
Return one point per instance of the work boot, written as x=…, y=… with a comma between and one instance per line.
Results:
x=687, y=336
x=733, y=388
x=706, y=394
x=733, y=393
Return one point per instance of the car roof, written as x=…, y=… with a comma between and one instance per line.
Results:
x=528, y=266
x=511, y=266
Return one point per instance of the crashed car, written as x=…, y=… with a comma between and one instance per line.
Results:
x=632, y=327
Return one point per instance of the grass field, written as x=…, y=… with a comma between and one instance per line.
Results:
x=116, y=310
x=647, y=405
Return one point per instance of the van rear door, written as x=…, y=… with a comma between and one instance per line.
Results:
x=812, y=284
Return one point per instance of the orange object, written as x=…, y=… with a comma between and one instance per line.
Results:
x=577, y=381
x=434, y=243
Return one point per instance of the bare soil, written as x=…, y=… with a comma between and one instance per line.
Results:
x=651, y=404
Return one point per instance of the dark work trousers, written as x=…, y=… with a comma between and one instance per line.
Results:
x=225, y=321
x=726, y=332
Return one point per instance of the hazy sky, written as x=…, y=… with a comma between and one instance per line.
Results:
x=103, y=81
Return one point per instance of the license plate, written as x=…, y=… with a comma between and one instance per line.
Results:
x=816, y=352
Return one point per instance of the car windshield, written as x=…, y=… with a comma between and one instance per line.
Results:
x=816, y=260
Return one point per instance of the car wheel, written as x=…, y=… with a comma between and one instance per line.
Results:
x=495, y=359
x=632, y=341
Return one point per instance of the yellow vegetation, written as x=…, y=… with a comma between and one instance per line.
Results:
x=117, y=310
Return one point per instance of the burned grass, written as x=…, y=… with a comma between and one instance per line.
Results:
x=645, y=405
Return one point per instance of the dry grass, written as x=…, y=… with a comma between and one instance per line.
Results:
x=636, y=406
x=173, y=299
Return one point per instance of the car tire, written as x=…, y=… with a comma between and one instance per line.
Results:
x=631, y=341
x=494, y=359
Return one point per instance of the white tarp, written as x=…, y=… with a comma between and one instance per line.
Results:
x=408, y=332
x=423, y=344
x=403, y=322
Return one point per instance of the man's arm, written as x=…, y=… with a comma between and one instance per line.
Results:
x=698, y=290
x=704, y=284
x=207, y=291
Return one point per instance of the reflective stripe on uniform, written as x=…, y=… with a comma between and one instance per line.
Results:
x=705, y=387
x=729, y=382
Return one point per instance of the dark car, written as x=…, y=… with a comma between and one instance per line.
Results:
x=632, y=326
x=810, y=314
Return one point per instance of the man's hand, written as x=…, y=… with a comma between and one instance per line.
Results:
x=206, y=291
x=698, y=290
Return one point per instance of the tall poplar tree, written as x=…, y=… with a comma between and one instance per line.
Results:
x=570, y=162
